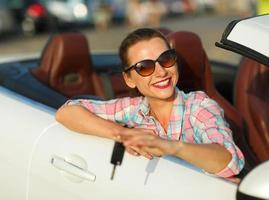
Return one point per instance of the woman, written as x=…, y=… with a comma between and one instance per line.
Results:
x=163, y=120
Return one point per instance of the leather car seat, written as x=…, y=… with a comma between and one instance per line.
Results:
x=252, y=101
x=66, y=66
x=195, y=74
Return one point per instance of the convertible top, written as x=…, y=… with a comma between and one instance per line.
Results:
x=248, y=37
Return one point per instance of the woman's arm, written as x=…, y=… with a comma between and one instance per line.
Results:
x=210, y=157
x=79, y=119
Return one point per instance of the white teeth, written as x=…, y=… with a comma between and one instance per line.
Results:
x=163, y=83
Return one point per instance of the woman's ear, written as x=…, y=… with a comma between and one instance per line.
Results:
x=128, y=80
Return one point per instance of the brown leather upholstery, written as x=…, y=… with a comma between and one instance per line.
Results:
x=119, y=86
x=195, y=74
x=66, y=66
x=252, y=100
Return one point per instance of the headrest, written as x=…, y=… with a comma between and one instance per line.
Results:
x=65, y=65
x=191, y=59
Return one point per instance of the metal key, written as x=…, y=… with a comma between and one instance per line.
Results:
x=117, y=156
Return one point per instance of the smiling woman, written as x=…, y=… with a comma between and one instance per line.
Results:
x=164, y=120
x=48, y=161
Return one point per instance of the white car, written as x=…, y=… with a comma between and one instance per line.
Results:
x=40, y=159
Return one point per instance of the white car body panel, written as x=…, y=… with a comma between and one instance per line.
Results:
x=168, y=180
x=31, y=142
x=17, y=137
x=256, y=183
x=252, y=33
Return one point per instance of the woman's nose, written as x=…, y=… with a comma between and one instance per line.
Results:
x=160, y=70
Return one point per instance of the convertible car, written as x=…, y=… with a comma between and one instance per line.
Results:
x=40, y=159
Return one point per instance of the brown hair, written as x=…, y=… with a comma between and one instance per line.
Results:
x=135, y=37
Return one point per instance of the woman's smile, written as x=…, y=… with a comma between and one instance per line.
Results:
x=163, y=84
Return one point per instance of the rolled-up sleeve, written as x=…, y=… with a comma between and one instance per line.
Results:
x=118, y=110
x=210, y=127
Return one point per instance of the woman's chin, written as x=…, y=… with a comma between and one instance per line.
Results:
x=167, y=94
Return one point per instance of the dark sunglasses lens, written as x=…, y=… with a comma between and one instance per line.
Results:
x=145, y=67
x=168, y=58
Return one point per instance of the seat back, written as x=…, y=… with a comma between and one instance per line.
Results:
x=66, y=66
x=252, y=100
x=195, y=74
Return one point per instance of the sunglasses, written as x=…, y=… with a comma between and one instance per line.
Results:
x=146, y=67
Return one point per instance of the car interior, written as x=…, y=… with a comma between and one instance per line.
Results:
x=252, y=101
x=67, y=69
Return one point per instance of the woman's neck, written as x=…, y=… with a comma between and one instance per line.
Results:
x=161, y=110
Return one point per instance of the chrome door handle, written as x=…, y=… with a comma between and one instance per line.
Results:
x=72, y=168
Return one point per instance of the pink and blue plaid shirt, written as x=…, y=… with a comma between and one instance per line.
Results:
x=195, y=118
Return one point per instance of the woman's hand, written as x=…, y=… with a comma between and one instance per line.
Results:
x=146, y=142
x=129, y=133
x=138, y=152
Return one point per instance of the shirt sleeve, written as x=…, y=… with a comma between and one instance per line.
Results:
x=117, y=110
x=207, y=119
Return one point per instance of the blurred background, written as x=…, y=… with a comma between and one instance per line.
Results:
x=26, y=25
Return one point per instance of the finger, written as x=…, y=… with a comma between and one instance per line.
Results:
x=143, y=153
x=132, y=152
x=146, y=155
x=153, y=151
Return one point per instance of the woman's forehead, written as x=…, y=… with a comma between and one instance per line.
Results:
x=147, y=49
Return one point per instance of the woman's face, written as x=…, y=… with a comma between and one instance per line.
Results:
x=161, y=83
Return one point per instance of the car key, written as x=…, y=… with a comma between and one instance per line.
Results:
x=117, y=156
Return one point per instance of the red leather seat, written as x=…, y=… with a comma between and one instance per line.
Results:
x=66, y=66
x=252, y=101
x=195, y=74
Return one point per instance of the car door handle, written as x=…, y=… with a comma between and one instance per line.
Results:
x=72, y=168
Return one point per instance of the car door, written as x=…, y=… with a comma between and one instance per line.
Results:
x=57, y=172
x=21, y=123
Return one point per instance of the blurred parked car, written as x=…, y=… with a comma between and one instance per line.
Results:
x=7, y=22
x=53, y=14
x=36, y=18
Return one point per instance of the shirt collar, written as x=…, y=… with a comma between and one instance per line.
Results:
x=144, y=106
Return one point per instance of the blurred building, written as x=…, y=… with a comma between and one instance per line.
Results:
x=235, y=7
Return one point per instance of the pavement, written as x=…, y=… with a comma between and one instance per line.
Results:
x=208, y=27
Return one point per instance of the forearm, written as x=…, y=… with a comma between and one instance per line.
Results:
x=79, y=119
x=210, y=157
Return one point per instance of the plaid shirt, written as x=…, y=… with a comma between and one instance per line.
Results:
x=195, y=118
